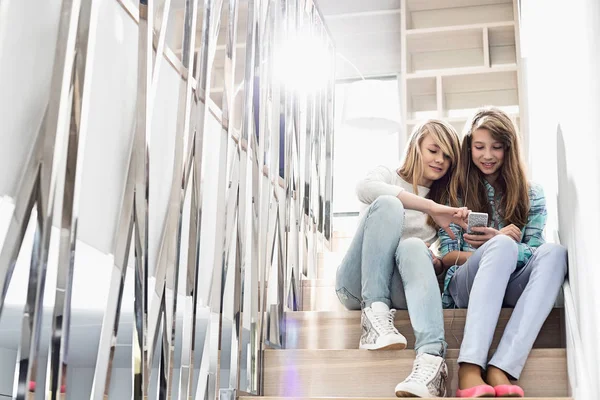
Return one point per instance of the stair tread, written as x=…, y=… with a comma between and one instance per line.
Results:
x=341, y=329
x=399, y=354
x=324, y=373
x=400, y=314
x=377, y=398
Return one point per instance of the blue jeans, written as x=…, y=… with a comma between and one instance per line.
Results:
x=378, y=267
x=489, y=280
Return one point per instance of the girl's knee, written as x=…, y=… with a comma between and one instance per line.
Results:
x=409, y=248
x=349, y=301
x=506, y=243
x=504, y=252
x=390, y=205
x=412, y=245
x=556, y=250
x=556, y=254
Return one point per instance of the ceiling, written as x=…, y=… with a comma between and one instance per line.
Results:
x=366, y=35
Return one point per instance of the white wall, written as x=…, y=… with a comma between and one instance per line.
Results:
x=562, y=57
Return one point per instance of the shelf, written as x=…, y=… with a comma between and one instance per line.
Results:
x=422, y=14
x=463, y=94
x=502, y=45
x=461, y=71
x=422, y=98
x=460, y=46
x=513, y=116
x=459, y=56
x=459, y=122
x=411, y=33
x=424, y=5
x=444, y=49
x=457, y=96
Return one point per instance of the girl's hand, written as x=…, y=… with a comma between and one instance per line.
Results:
x=476, y=241
x=512, y=231
x=445, y=215
x=438, y=266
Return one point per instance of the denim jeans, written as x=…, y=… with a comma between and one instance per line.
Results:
x=489, y=280
x=380, y=267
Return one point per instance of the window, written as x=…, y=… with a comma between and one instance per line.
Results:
x=357, y=151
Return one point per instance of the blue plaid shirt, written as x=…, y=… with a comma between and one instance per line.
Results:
x=532, y=236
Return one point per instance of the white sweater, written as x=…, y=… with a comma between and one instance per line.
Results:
x=385, y=181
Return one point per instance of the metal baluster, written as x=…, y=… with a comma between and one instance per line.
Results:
x=38, y=185
x=202, y=95
x=80, y=108
x=163, y=16
x=110, y=321
x=247, y=143
x=140, y=205
x=164, y=298
x=196, y=169
x=329, y=139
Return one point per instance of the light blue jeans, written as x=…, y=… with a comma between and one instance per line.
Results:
x=378, y=267
x=489, y=280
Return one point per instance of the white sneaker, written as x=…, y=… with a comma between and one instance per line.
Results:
x=378, y=330
x=427, y=379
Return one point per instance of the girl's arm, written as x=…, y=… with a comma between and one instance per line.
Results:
x=379, y=182
x=444, y=216
x=450, y=248
x=456, y=258
x=536, y=222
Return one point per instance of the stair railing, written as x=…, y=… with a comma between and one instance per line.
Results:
x=264, y=160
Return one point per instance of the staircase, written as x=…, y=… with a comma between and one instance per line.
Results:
x=322, y=360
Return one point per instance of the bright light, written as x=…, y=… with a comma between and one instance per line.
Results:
x=304, y=64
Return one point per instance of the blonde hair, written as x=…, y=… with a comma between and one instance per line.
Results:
x=512, y=180
x=447, y=139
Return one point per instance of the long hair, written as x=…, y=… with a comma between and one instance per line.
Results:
x=468, y=184
x=411, y=170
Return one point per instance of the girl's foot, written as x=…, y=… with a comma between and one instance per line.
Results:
x=378, y=330
x=471, y=383
x=496, y=377
x=509, y=391
x=502, y=385
x=427, y=379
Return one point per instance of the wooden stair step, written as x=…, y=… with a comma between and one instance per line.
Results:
x=342, y=330
x=346, y=373
x=376, y=398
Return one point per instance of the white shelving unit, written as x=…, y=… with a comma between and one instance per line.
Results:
x=456, y=57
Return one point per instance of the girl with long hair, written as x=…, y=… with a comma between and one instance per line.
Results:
x=506, y=263
x=389, y=263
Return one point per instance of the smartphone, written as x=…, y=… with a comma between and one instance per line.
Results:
x=476, y=219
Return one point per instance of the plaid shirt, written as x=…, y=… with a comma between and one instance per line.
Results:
x=532, y=233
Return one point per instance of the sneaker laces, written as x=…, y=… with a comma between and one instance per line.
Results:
x=384, y=322
x=422, y=371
